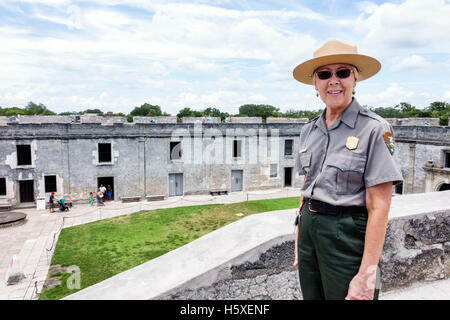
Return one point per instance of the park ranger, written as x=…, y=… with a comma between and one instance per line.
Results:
x=347, y=157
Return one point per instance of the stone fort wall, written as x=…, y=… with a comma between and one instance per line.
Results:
x=141, y=155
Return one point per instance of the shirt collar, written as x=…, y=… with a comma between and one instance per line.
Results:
x=351, y=113
x=348, y=117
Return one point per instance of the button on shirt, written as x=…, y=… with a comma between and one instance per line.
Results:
x=354, y=153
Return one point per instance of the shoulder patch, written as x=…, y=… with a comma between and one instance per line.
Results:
x=389, y=141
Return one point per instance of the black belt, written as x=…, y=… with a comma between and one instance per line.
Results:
x=318, y=206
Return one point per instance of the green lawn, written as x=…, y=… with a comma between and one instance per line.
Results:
x=107, y=247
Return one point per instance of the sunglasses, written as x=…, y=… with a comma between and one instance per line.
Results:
x=341, y=74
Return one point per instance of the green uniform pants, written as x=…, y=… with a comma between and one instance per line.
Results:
x=330, y=250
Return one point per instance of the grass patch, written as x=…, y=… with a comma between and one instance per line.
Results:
x=107, y=247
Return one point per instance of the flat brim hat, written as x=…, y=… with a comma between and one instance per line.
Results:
x=336, y=51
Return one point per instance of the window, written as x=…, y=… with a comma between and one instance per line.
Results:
x=23, y=155
x=175, y=150
x=237, y=146
x=273, y=170
x=50, y=183
x=104, y=152
x=447, y=159
x=2, y=186
x=288, y=147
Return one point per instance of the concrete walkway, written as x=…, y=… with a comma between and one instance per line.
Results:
x=34, y=242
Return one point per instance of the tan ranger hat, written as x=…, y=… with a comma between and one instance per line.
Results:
x=337, y=51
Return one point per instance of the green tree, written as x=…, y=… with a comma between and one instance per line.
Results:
x=302, y=113
x=97, y=111
x=259, y=110
x=388, y=112
x=14, y=112
x=212, y=112
x=37, y=109
x=146, y=110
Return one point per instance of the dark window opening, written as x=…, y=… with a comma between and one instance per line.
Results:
x=175, y=150
x=104, y=152
x=2, y=186
x=447, y=159
x=237, y=146
x=399, y=188
x=288, y=147
x=23, y=154
x=50, y=183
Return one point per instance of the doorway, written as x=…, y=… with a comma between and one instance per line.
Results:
x=106, y=181
x=175, y=184
x=26, y=190
x=288, y=177
x=236, y=180
x=444, y=187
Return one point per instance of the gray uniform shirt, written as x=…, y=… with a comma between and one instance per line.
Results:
x=354, y=153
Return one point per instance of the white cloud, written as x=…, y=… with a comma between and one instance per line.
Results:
x=411, y=63
x=447, y=95
x=412, y=24
x=389, y=97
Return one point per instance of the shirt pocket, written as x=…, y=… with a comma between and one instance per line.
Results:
x=305, y=162
x=347, y=172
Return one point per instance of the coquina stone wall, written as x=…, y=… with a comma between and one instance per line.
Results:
x=417, y=249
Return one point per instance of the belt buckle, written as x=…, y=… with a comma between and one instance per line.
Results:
x=309, y=206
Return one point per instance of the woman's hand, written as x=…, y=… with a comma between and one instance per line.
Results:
x=362, y=286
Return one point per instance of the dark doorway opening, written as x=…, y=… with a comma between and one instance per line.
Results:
x=26, y=190
x=106, y=181
x=445, y=187
x=399, y=188
x=288, y=177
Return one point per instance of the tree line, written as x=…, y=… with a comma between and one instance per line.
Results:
x=436, y=109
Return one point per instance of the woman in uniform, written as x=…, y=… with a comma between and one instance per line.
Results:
x=346, y=156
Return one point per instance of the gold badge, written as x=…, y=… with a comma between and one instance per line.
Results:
x=352, y=143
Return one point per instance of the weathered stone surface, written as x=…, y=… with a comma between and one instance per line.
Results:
x=416, y=249
x=429, y=230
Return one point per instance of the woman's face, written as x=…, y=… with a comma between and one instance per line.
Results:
x=335, y=92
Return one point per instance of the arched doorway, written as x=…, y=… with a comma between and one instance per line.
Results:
x=444, y=187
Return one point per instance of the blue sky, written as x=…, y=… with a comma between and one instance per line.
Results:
x=116, y=55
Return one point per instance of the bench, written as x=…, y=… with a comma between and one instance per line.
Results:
x=155, y=197
x=218, y=191
x=130, y=199
x=5, y=205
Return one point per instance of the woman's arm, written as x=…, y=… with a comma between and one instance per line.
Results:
x=378, y=202
x=296, y=234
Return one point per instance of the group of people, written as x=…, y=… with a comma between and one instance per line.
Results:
x=103, y=193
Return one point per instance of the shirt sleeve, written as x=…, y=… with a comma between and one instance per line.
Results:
x=298, y=162
x=381, y=164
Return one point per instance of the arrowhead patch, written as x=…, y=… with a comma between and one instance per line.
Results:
x=389, y=141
